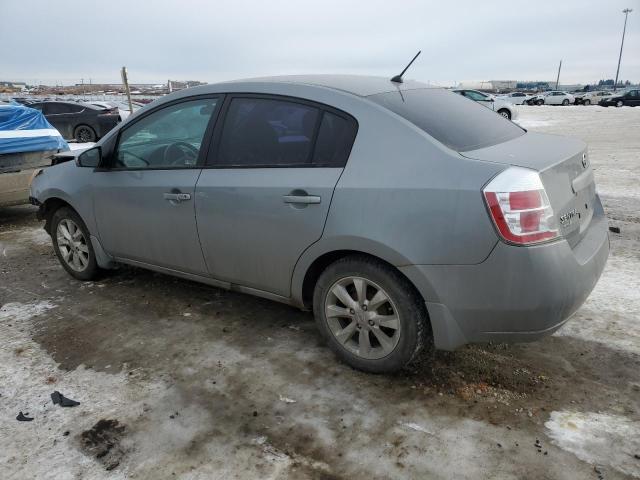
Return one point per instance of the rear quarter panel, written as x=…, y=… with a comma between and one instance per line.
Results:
x=406, y=199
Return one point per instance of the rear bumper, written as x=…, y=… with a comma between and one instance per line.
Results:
x=517, y=294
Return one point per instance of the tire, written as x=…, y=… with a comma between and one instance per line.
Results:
x=406, y=324
x=505, y=113
x=74, y=250
x=84, y=134
x=565, y=102
x=539, y=102
x=619, y=103
x=587, y=102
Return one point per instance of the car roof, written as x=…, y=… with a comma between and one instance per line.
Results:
x=360, y=85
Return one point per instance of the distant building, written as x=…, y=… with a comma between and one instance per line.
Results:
x=16, y=86
x=499, y=86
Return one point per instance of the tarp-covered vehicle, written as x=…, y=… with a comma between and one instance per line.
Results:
x=27, y=141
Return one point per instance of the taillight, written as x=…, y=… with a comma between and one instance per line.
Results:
x=520, y=208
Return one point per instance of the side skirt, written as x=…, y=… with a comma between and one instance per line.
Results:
x=208, y=280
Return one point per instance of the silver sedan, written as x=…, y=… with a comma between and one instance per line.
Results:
x=401, y=215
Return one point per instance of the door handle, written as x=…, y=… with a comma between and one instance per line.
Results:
x=177, y=197
x=303, y=199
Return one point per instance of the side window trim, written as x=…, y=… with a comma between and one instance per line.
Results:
x=204, y=149
x=211, y=161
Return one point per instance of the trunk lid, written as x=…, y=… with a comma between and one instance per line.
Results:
x=565, y=171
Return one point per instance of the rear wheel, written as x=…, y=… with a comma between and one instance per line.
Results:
x=369, y=314
x=565, y=101
x=72, y=244
x=505, y=113
x=84, y=134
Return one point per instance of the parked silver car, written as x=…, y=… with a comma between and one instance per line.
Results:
x=400, y=214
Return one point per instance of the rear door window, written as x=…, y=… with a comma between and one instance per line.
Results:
x=267, y=132
x=453, y=121
x=335, y=139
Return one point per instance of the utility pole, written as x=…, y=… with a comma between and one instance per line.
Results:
x=558, y=77
x=125, y=81
x=626, y=12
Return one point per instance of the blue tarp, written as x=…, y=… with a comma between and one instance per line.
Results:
x=24, y=129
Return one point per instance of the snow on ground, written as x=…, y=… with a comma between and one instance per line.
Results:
x=80, y=146
x=598, y=438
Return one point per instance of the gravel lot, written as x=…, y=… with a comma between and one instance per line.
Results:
x=195, y=382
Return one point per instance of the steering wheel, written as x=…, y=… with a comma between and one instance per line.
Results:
x=180, y=154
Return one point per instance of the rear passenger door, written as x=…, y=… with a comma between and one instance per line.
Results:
x=264, y=195
x=62, y=116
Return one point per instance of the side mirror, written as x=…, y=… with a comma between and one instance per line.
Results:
x=90, y=158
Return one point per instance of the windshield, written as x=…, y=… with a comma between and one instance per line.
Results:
x=457, y=122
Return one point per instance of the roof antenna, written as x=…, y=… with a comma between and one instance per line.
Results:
x=398, y=78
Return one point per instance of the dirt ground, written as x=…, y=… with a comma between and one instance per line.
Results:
x=181, y=380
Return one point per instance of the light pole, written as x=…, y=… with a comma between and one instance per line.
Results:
x=626, y=12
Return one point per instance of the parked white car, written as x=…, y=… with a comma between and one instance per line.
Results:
x=558, y=98
x=517, y=98
x=504, y=108
x=592, y=98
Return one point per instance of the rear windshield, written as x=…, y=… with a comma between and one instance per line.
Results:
x=459, y=123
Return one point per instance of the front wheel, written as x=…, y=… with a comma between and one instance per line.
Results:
x=540, y=102
x=370, y=314
x=587, y=102
x=619, y=103
x=72, y=244
x=505, y=113
x=565, y=102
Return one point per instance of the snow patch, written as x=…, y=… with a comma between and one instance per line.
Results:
x=20, y=312
x=416, y=427
x=598, y=438
x=80, y=146
x=530, y=123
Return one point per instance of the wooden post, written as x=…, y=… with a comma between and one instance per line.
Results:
x=125, y=81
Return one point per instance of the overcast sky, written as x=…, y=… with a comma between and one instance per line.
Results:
x=65, y=40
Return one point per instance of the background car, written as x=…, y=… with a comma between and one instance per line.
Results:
x=556, y=97
x=518, y=98
x=123, y=107
x=630, y=99
x=591, y=98
x=82, y=122
x=504, y=108
x=399, y=213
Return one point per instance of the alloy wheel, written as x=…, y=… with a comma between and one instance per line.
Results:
x=84, y=135
x=72, y=245
x=362, y=317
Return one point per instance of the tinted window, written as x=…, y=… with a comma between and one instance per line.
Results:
x=56, y=108
x=478, y=97
x=457, y=123
x=265, y=132
x=168, y=138
x=335, y=139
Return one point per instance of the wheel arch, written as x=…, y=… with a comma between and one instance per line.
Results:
x=311, y=266
x=49, y=207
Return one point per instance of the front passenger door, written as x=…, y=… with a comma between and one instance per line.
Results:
x=144, y=199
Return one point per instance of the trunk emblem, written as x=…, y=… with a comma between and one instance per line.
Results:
x=567, y=218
